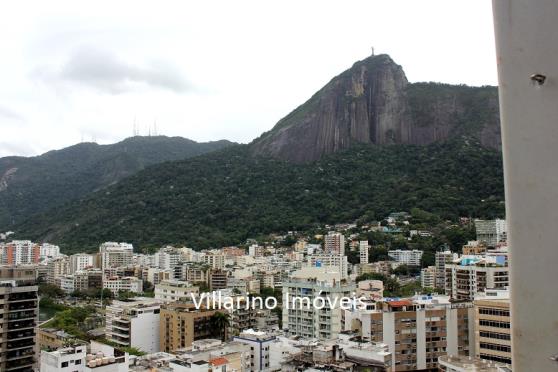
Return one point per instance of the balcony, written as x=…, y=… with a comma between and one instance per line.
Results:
x=22, y=305
x=21, y=315
x=19, y=354
x=24, y=296
x=24, y=364
x=14, y=335
x=25, y=343
x=21, y=324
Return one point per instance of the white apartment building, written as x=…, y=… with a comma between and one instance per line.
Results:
x=428, y=277
x=80, y=261
x=129, y=283
x=334, y=243
x=442, y=258
x=167, y=258
x=49, y=251
x=116, y=254
x=67, y=359
x=363, y=250
x=66, y=283
x=301, y=317
x=259, y=343
x=330, y=262
x=407, y=257
x=146, y=260
x=491, y=232
x=214, y=260
x=134, y=323
x=175, y=290
x=470, y=275
x=256, y=251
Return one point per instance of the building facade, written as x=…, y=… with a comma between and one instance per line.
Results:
x=18, y=320
x=492, y=326
x=181, y=324
x=407, y=257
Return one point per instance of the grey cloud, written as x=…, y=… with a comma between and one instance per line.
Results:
x=106, y=72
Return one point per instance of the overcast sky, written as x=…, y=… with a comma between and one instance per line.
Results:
x=209, y=70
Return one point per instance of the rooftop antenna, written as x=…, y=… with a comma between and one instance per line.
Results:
x=136, y=131
x=155, y=127
x=372, y=51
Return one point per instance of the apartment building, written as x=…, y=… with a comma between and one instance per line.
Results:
x=134, y=322
x=56, y=268
x=181, y=324
x=217, y=280
x=363, y=251
x=461, y=363
x=116, y=254
x=66, y=359
x=175, y=290
x=491, y=232
x=128, y=284
x=212, y=355
x=428, y=277
x=301, y=317
x=406, y=257
x=334, y=243
x=215, y=260
x=256, y=251
x=417, y=330
x=167, y=258
x=156, y=275
x=474, y=247
x=441, y=259
x=380, y=267
x=193, y=273
x=47, y=250
x=473, y=274
x=259, y=343
x=80, y=261
x=244, y=285
x=328, y=261
x=492, y=326
x=18, y=318
x=20, y=252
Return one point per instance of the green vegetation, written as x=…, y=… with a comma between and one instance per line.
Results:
x=128, y=349
x=228, y=196
x=54, y=178
x=392, y=288
x=72, y=320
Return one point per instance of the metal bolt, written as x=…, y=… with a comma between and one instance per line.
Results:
x=538, y=78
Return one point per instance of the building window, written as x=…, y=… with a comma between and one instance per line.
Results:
x=64, y=364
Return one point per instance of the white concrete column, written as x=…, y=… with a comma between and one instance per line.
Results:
x=527, y=57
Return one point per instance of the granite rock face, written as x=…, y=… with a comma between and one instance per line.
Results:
x=373, y=103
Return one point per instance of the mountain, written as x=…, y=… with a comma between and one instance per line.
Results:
x=226, y=196
x=35, y=184
x=366, y=144
x=373, y=103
